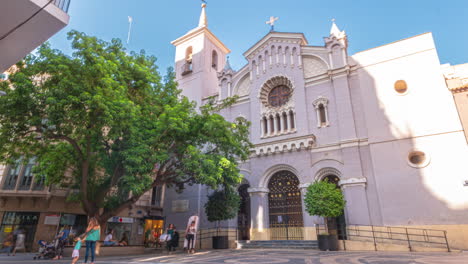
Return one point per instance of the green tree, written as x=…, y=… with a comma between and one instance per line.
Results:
x=222, y=205
x=104, y=122
x=324, y=199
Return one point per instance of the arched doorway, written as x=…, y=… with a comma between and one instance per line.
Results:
x=285, y=207
x=338, y=223
x=243, y=216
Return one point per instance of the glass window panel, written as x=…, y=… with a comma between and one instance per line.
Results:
x=12, y=176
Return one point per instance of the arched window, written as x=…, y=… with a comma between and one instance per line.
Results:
x=187, y=67
x=291, y=117
x=265, y=126
x=214, y=60
x=278, y=122
x=285, y=121
x=322, y=115
x=321, y=107
x=188, y=55
x=272, y=125
x=279, y=95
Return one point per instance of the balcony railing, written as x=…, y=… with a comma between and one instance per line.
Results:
x=62, y=4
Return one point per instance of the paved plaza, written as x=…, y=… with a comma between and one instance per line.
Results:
x=270, y=257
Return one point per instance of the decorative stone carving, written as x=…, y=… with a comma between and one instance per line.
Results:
x=353, y=182
x=313, y=66
x=284, y=146
x=257, y=190
x=272, y=83
x=243, y=86
x=322, y=173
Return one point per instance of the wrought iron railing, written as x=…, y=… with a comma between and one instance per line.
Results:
x=205, y=234
x=62, y=4
x=390, y=234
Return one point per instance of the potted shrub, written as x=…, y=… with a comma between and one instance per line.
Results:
x=222, y=205
x=325, y=200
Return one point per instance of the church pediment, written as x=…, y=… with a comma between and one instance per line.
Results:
x=275, y=37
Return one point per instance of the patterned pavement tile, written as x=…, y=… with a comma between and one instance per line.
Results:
x=260, y=256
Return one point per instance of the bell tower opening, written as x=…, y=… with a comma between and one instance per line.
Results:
x=199, y=55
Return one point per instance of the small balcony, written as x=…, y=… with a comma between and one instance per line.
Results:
x=26, y=24
x=187, y=68
x=62, y=4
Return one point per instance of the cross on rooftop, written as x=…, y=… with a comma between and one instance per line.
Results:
x=271, y=22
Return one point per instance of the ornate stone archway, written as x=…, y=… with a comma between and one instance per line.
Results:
x=285, y=207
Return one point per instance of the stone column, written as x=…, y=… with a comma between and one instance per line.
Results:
x=259, y=213
x=357, y=209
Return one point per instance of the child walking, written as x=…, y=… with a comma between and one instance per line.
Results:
x=76, y=250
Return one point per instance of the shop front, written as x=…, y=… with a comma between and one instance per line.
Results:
x=154, y=227
x=121, y=226
x=25, y=222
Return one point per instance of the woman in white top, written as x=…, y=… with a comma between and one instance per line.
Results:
x=109, y=241
x=191, y=231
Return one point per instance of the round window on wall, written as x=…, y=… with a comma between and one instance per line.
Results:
x=418, y=159
x=401, y=87
x=279, y=95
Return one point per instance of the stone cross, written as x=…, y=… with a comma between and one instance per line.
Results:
x=271, y=22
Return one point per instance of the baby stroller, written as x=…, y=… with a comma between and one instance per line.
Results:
x=46, y=250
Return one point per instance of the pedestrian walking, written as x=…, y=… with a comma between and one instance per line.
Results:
x=62, y=240
x=7, y=244
x=193, y=218
x=93, y=234
x=190, y=236
x=19, y=244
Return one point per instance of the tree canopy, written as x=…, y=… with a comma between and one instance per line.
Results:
x=222, y=205
x=104, y=122
x=324, y=199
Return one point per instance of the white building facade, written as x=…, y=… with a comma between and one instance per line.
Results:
x=381, y=123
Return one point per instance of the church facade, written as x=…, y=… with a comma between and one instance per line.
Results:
x=380, y=123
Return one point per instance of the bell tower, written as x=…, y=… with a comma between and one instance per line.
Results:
x=200, y=55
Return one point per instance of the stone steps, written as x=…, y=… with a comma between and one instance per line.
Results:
x=291, y=244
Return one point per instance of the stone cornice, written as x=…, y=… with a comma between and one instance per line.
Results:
x=352, y=182
x=298, y=38
x=288, y=145
x=258, y=190
x=200, y=30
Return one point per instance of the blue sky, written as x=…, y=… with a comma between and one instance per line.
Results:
x=241, y=23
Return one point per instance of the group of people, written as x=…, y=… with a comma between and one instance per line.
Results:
x=110, y=241
x=13, y=242
x=171, y=236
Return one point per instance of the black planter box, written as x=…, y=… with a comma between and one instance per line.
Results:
x=328, y=242
x=220, y=242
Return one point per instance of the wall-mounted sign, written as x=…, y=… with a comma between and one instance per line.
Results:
x=180, y=206
x=118, y=219
x=52, y=220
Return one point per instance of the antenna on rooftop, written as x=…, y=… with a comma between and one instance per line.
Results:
x=130, y=21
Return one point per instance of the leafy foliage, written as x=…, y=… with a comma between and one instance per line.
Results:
x=222, y=205
x=104, y=122
x=324, y=199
